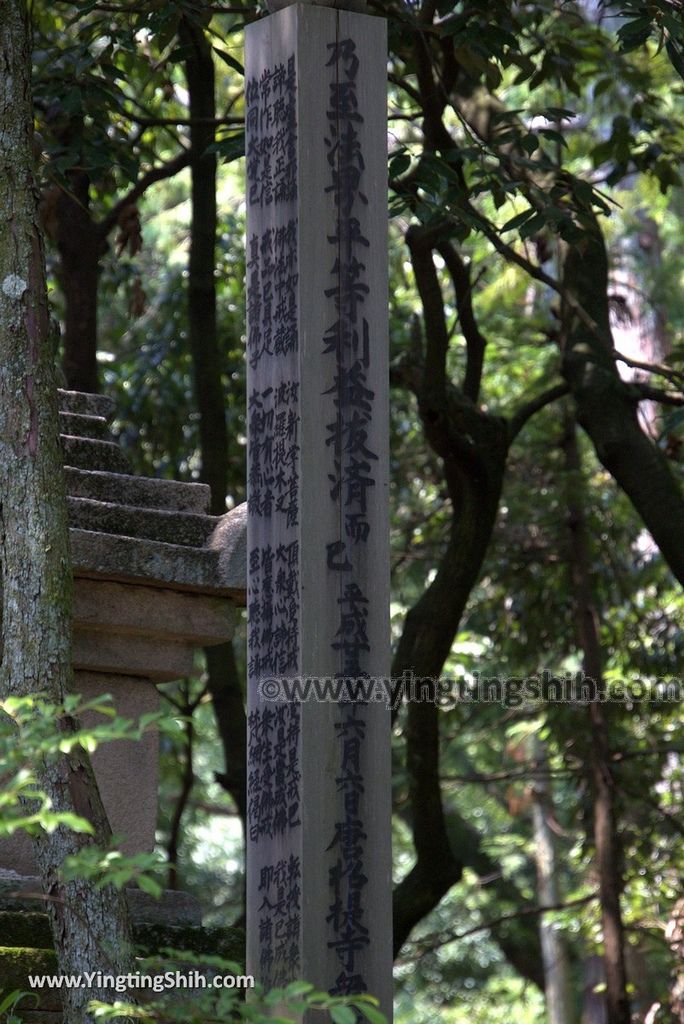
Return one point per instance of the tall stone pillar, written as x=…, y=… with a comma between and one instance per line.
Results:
x=318, y=849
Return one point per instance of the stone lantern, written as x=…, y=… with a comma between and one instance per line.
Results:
x=155, y=578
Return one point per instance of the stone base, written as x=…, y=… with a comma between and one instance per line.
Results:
x=19, y=960
x=127, y=772
x=31, y=931
x=175, y=908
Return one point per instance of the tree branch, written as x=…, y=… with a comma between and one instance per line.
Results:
x=527, y=411
x=429, y=942
x=476, y=342
x=420, y=245
x=159, y=173
x=648, y=393
x=668, y=372
x=154, y=122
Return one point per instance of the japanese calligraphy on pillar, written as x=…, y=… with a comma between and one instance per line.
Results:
x=348, y=344
x=273, y=772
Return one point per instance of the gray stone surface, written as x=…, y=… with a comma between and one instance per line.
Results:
x=24, y=892
x=75, y=425
x=152, y=562
x=31, y=930
x=229, y=539
x=149, y=492
x=84, y=453
x=185, y=528
x=121, y=654
x=127, y=774
x=84, y=404
x=155, y=577
x=128, y=609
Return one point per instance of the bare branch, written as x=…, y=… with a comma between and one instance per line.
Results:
x=525, y=412
x=475, y=341
x=156, y=122
x=159, y=173
x=657, y=395
x=429, y=942
x=660, y=368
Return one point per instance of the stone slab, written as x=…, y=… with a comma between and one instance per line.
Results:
x=84, y=453
x=147, y=492
x=16, y=963
x=154, y=563
x=152, y=612
x=126, y=655
x=31, y=929
x=24, y=893
x=95, y=427
x=85, y=404
x=185, y=528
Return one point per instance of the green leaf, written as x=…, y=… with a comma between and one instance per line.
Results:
x=149, y=886
x=371, y=1013
x=634, y=33
x=299, y=988
x=531, y=227
x=231, y=61
x=518, y=220
x=530, y=143
x=399, y=164
x=229, y=149
x=342, y=1015
x=676, y=57
x=10, y=1001
x=674, y=419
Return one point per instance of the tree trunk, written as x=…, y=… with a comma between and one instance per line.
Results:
x=224, y=683
x=90, y=927
x=202, y=327
x=557, y=987
x=473, y=446
x=608, y=411
x=80, y=246
x=605, y=831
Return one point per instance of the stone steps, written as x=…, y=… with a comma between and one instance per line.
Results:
x=188, y=529
x=152, y=563
x=139, y=492
x=86, y=453
x=76, y=425
x=84, y=404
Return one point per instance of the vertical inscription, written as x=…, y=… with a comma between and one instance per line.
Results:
x=348, y=344
x=319, y=868
x=273, y=466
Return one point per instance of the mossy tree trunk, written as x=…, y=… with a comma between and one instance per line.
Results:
x=90, y=927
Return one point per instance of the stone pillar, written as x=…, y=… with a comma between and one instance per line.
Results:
x=318, y=852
